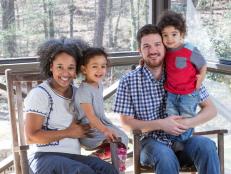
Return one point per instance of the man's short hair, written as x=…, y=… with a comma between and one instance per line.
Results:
x=145, y=30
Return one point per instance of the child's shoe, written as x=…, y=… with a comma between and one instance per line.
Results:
x=103, y=153
x=122, y=155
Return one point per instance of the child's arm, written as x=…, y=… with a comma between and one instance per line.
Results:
x=201, y=76
x=96, y=123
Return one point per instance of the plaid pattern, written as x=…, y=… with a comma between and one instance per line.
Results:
x=143, y=97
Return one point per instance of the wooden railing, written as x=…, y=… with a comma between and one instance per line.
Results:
x=116, y=59
x=119, y=59
x=6, y=165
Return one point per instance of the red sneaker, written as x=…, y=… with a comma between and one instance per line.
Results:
x=103, y=153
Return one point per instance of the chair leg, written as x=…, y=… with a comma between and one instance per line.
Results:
x=24, y=162
x=136, y=153
x=221, y=151
x=114, y=156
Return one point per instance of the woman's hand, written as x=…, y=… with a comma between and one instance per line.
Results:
x=76, y=130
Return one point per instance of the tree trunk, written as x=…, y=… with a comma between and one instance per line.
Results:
x=72, y=9
x=51, y=20
x=8, y=26
x=133, y=25
x=110, y=24
x=138, y=13
x=117, y=24
x=45, y=19
x=99, y=23
x=146, y=11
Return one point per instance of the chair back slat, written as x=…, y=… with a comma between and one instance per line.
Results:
x=18, y=86
x=19, y=104
x=28, y=86
x=12, y=116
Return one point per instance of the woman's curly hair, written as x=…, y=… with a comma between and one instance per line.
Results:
x=171, y=18
x=48, y=51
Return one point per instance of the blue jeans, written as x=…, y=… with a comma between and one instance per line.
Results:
x=62, y=163
x=198, y=150
x=184, y=105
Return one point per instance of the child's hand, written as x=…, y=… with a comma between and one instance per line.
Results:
x=111, y=136
x=199, y=81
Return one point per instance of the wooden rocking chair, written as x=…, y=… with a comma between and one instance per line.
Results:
x=138, y=168
x=18, y=86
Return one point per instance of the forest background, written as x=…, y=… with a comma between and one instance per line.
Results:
x=24, y=24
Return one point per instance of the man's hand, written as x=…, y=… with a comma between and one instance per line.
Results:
x=171, y=125
x=185, y=121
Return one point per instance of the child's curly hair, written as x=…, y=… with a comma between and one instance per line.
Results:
x=171, y=18
x=91, y=52
x=48, y=51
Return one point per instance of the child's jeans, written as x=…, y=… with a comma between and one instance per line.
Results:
x=184, y=105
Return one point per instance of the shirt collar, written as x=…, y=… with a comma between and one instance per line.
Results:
x=147, y=73
x=175, y=49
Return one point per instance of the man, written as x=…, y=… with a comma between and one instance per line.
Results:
x=141, y=102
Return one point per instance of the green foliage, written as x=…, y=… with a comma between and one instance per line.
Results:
x=221, y=78
x=219, y=26
x=32, y=23
x=203, y=4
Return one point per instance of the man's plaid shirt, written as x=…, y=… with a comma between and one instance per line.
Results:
x=143, y=97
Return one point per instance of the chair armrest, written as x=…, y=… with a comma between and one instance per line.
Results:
x=136, y=132
x=211, y=132
x=21, y=148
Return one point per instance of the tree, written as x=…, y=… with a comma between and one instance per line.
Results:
x=72, y=9
x=138, y=13
x=133, y=25
x=45, y=19
x=99, y=23
x=8, y=26
x=146, y=6
x=110, y=24
x=117, y=23
x=51, y=19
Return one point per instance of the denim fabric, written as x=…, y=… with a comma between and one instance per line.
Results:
x=184, y=105
x=199, y=150
x=60, y=163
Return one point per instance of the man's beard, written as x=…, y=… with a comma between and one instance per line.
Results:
x=156, y=63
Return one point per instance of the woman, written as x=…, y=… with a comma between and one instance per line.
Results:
x=50, y=127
